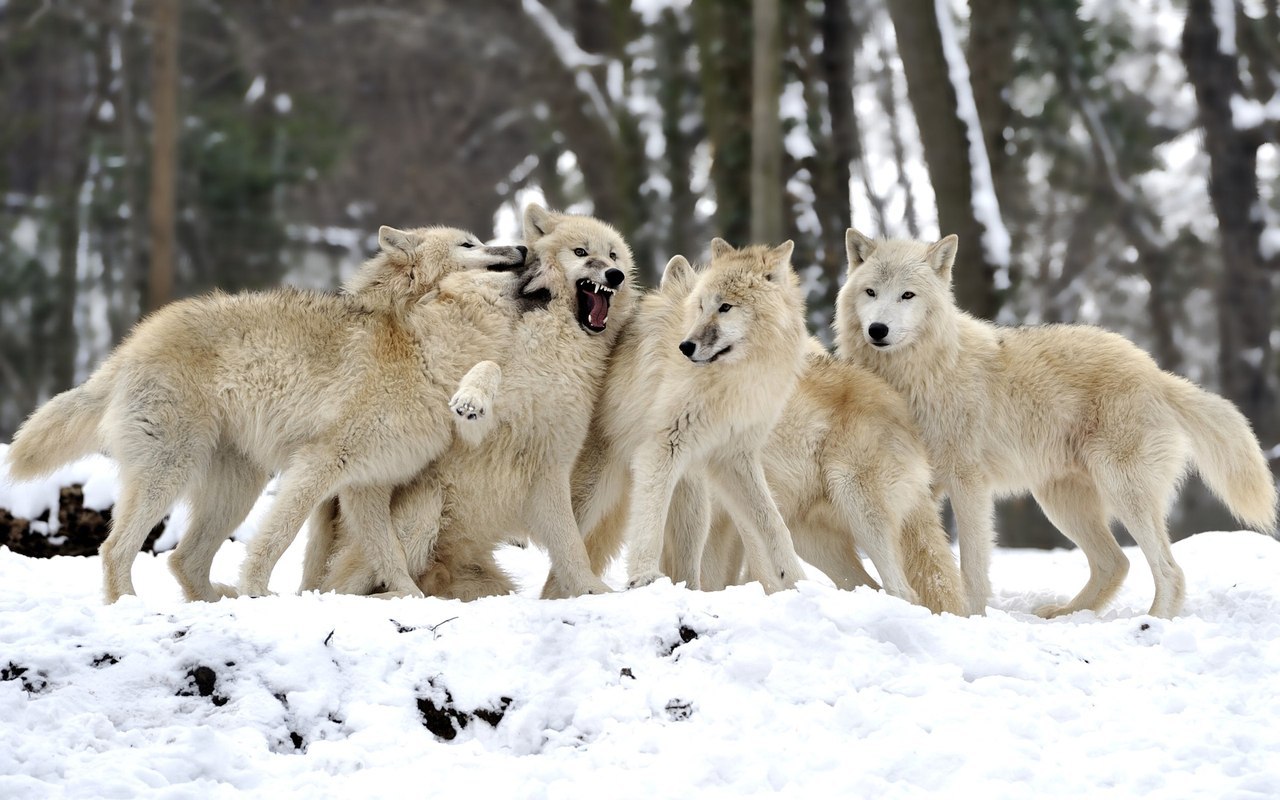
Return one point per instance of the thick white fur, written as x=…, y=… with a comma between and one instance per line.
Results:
x=847, y=468
x=1079, y=416
x=517, y=482
x=668, y=419
x=207, y=397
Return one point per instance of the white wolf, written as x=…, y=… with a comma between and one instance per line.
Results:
x=1080, y=417
x=577, y=294
x=847, y=468
x=208, y=396
x=697, y=383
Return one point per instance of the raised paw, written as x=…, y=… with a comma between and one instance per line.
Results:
x=469, y=404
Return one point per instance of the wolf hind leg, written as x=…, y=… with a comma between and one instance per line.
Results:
x=1076, y=509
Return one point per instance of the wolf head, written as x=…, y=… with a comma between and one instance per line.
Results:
x=413, y=262
x=580, y=264
x=893, y=289
x=744, y=298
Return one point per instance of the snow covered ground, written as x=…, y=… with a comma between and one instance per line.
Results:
x=657, y=692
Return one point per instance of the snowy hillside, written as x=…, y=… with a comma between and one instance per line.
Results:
x=658, y=692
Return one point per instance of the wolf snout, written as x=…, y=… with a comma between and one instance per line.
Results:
x=687, y=347
x=614, y=277
x=877, y=331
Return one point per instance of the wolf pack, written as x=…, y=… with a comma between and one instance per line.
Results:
x=455, y=396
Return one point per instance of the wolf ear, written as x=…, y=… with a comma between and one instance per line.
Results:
x=538, y=222
x=941, y=255
x=857, y=247
x=719, y=247
x=396, y=243
x=780, y=261
x=678, y=271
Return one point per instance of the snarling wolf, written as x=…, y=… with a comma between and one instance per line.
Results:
x=576, y=295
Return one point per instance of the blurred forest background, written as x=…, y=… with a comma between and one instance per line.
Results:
x=1110, y=162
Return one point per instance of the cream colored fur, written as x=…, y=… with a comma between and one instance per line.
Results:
x=1080, y=417
x=694, y=389
x=207, y=397
x=517, y=482
x=847, y=469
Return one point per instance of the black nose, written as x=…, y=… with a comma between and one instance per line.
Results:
x=687, y=348
x=877, y=330
x=614, y=276
x=524, y=251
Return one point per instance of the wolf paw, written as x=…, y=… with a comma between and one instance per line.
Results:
x=469, y=404
x=222, y=590
x=644, y=579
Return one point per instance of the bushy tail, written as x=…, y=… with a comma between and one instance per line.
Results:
x=60, y=431
x=930, y=566
x=1227, y=455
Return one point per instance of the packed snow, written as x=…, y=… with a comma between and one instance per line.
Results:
x=655, y=692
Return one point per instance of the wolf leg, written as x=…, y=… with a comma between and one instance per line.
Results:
x=974, y=509
x=367, y=512
x=1075, y=508
x=655, y=472
x=472, y=403
x=322, y=531
x=862, y=508
x=312, y=476
x=688, y=526
x=550, y=522
x=749, y=501
x=230, y=488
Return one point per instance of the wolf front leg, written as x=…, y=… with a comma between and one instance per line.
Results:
x=764, y=533
x=655, y=470
x=974, y=509
x=549, y=518
x=473, y=402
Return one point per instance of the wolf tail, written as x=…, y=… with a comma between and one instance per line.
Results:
x=930, y=566
x=60, y=431
x=1227, y=455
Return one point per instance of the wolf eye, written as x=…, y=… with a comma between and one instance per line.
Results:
x=613, y=256
x=580, y=252
x=468, y=245
x=908, y=295
x=724, y=308
x=871, y=293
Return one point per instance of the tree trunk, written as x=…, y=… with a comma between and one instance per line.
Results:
x=164, y=152
x=721, y=29
x=1244, y=293
x=947, y=151
x=766, y=125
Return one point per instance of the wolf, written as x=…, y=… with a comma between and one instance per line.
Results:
x=341, y=392
x=695, y=387
x=577, y=296
x=1081, y=417
x=847, y=468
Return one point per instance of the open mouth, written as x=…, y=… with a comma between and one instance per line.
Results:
x=513, y=266
x=593, y=305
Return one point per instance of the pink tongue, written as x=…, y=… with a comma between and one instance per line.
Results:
x=599, y=310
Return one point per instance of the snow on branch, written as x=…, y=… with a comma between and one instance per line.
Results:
x=574, y=58
x=986, y=208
